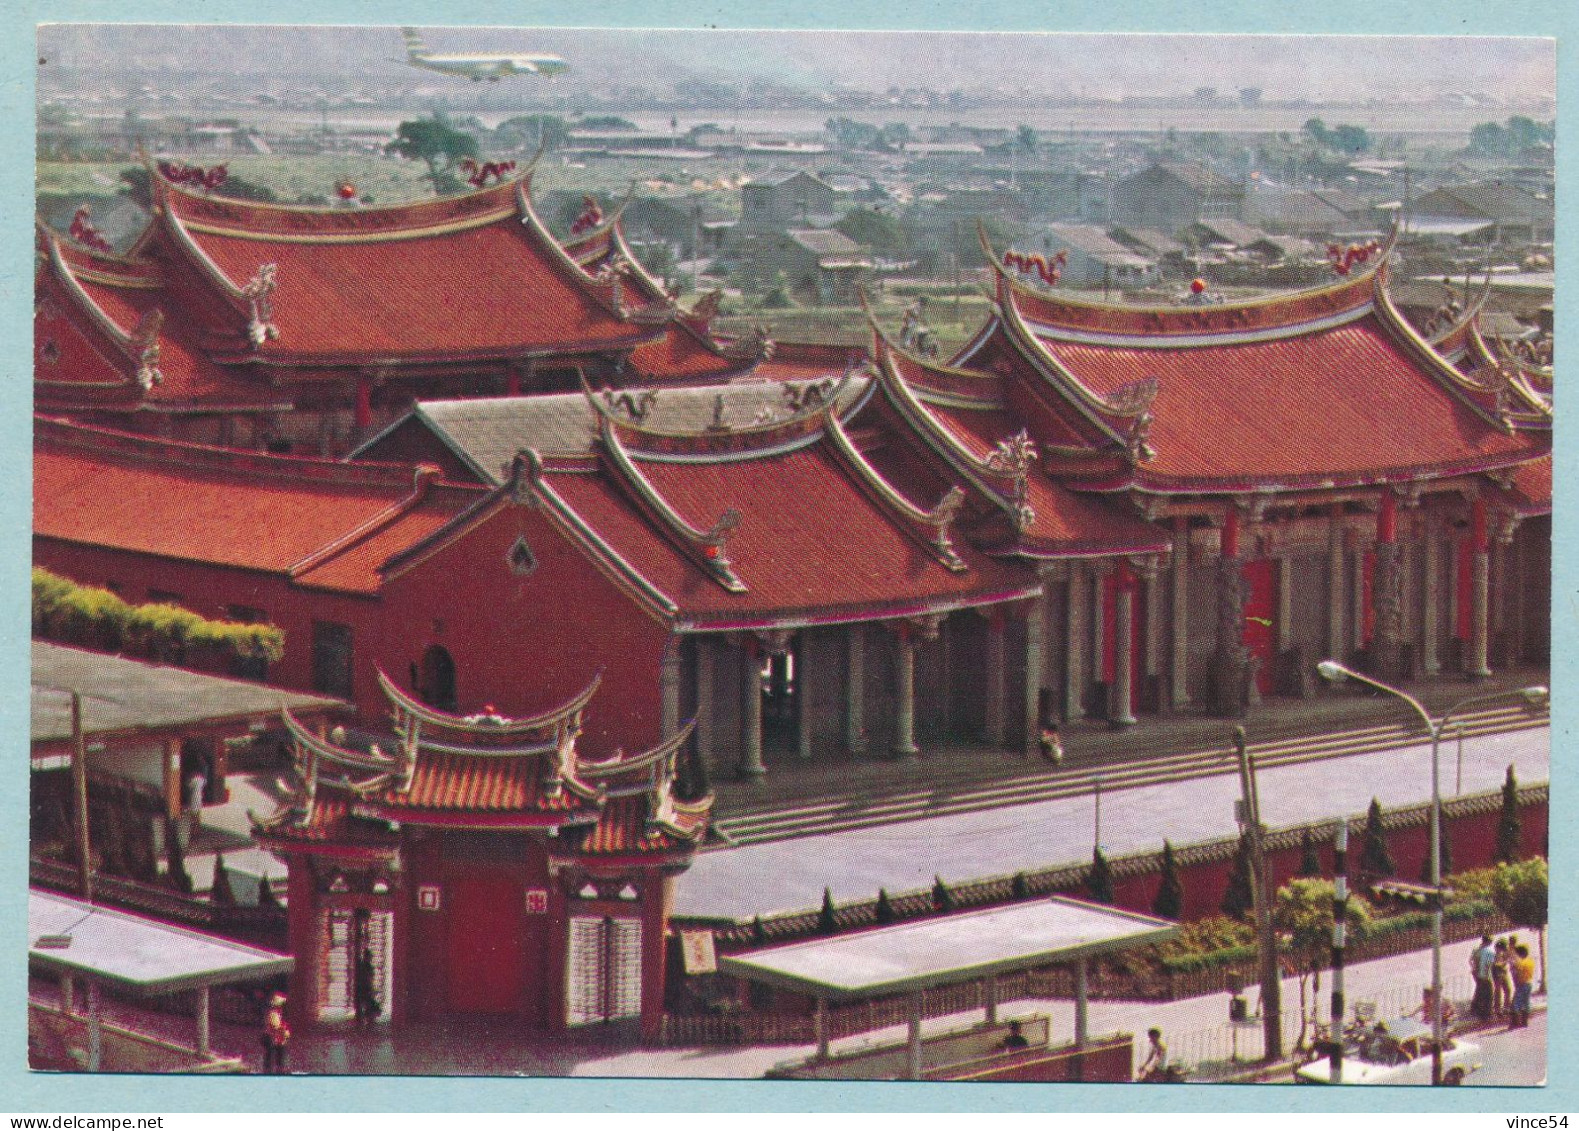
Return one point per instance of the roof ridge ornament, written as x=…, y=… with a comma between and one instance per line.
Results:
x=1013, y=457
x=259, y=292
x=145, y=347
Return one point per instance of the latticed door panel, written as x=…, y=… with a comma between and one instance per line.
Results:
x=603, y=974
x=624, y=966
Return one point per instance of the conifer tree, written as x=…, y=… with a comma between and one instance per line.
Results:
x=1510, y=826
x=220, y=890
x=1239, y=895
x=885, y=907
x=1099, y=881
x=1020, y=886
x=1170, y=892
x=826, y=923
x=1375, y=859
x=942, y=898
x=759, y=933
x=1309, y=858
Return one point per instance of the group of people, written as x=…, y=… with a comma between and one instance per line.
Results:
x=1504, y=976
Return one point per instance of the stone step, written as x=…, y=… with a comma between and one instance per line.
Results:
x=1116, y=773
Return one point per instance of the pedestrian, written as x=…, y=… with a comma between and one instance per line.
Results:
x=1523, y=986
x=1502, y=980
x=366, y=997
x=1481, y=961
x=1155, y=1066
x=276, y=1036
x=196, y=786
x=1427, y=1000
x=1052, y=744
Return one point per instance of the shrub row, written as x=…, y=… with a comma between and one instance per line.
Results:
x=64, y=609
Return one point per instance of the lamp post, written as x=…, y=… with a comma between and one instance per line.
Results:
x=1334, y=672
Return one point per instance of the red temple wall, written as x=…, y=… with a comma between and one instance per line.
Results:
x=520, y=643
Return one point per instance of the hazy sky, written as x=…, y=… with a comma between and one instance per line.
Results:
x=1311, y=67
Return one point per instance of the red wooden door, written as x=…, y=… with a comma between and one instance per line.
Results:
x=1261, y=620
x=485, y=956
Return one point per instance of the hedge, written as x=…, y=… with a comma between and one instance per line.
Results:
x=62, y=608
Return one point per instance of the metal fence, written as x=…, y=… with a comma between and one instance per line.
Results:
x=1223, y=1049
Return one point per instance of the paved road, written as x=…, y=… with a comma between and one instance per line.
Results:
x=787, y=876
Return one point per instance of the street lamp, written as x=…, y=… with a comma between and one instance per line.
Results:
x=1535, y=696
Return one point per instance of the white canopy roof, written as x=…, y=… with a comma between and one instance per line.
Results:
x=945, y=949
x=74, y=937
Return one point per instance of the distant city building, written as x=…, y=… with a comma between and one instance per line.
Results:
x=1518, y=216
x=785, y=199
x=1093, y=258
x=1171, y=195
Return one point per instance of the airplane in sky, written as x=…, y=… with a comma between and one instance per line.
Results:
x=479, y=66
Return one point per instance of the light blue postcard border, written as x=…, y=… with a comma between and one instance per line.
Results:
x=24, y=1092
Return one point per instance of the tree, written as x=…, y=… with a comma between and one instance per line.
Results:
x=885, y=908
x=1375, y=859
x=529, y=131
x=1025, y=140
x=1170, y=892
x=137, y=185
x=435, y=143
x=1020, y=886
x=1309, y=858
x=220, y=890
x=1353, y=140
x=759, y=933
x=1239, y=895
x=1099, y=881
x=826, y=923
x=1316, y=130
x=1302, y=915
x=942, y=898
x=175, y=859
x=1510, y=826
x=876, y=230
x=266, y=896
x=1520, y=892
x=238, y=189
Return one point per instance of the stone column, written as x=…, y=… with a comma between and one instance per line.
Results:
x=1151, y=579
x=1357, y=590
x=669, y=686
x=905, y=714
x=1231, y=665
x=855, y=690
x=1387, y=592
x=913, y=1043
x=1035, y=651
x=1285, y=604
x=1119, y=711
x=751, y=766
x=202, y=1022
x=802, y=708
x=1480, y=593
x=364, y=402
x=1075, y=642
x=705, y=738
x=1180, y=597
x=997, y=677
x=1337, y=647
x=1431, y=608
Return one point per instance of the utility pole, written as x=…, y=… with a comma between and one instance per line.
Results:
x=1249, y=815
x=1340, y=922
x=79, y=790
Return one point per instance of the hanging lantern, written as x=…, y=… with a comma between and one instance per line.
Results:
x=1197, y=286
x=347, y=190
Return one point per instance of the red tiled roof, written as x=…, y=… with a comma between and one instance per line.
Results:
x=810, y=544
x=799, y=361
x=1341, y=403
x=454, y=278
x=479, y=784
x=1531, y=486
x=680, y=355
x=270, y=513
x=622, y=828
x=123, y=292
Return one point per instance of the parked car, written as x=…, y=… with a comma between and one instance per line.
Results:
x=1392, y=1052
